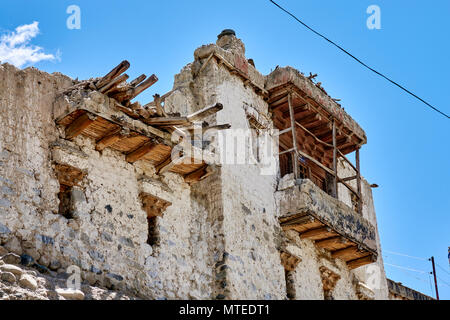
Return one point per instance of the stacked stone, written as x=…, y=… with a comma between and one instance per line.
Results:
x=22, y=279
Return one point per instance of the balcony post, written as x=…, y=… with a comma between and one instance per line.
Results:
x=335, y=161
x=358, y=181
x=294, y=137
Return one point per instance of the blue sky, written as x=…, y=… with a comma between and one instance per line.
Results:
x=408, y=144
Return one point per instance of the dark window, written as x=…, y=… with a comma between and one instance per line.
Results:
x=153, y=234
x=154, y=207
x=68, y=177
x=65, y=201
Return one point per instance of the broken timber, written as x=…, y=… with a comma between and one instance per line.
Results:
x=140, y=133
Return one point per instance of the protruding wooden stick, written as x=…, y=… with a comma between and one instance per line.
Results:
x=203, y=113
x=138, y=80
x=162, y=99
x=133, y=92
x=144, y=85
x=167, y=121
x=121, y=68
x=158, y=105
x=110, y=86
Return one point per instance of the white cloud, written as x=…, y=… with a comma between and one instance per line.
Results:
x=15, y=47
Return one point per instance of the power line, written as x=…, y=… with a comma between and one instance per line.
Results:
x=443, y=269
x=405, y=255
x=359, y=61
x=431, y=285
x=445, y=283
x=420, y=279
x=405, y=268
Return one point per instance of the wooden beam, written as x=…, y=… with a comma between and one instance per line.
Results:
x=294, y=137
x=348, y=178
x=205, y=112
x=286, y=151
x=279, y=102
x=169, y=164
x=163, y=163
x=167, y=121
x=318, y=233
x=316, y=162
x=138, y=80
x=313, y=135
x=280, y=93
x=196, y=175
x=111, y=138
x=112, y=84
x=358, y=181
x=347, y=160
x=298, y=221
x=131, y=93
x=160, y=99
x=140, y=152
x=360, y=262
x=121, y=68
x=322, y=130
x=335, y=161
x=204, y=64
x=350, y=251
x=309, y=119
x=216, y=127
x=79, y=124
x=349, y=187
x=297, y=109
x=332, y=241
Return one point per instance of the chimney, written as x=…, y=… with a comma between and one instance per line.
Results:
x=227, y=40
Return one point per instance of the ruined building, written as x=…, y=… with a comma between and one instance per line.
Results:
x=92, y=179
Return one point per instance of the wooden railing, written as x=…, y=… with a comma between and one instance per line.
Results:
x=296, y=153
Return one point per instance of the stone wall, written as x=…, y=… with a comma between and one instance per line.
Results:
x=107, y=235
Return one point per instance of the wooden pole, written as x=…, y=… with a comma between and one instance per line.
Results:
x=435, y=280
x=335, y=161
x=294, y=137
x=358, y=181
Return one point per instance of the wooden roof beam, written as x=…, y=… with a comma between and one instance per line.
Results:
x=131, y=93
x=309, y=119
x=353, y=264
x=118, y=70
x=350, y=251
x=317, y=233
x=112, y=138
x=297, y=109
x=79, y=124
x=140, y=152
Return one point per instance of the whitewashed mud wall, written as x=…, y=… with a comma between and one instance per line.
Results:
x=107, y=236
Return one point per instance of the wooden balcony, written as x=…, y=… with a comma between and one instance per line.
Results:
x=314, y=132
x=330, y=223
